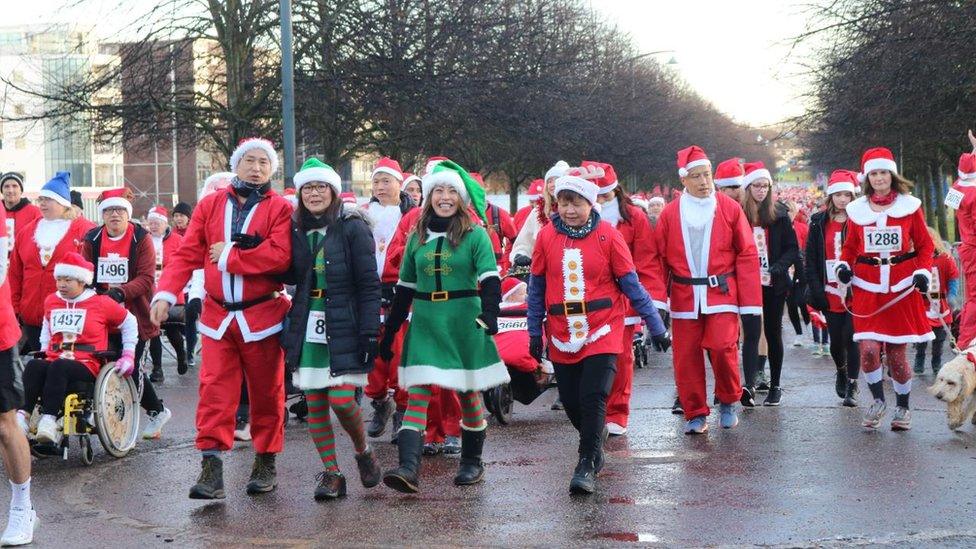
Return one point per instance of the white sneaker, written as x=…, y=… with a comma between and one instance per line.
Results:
x=20, y=527
x=23, y=422
x=154, y=425
x=243, y=433
x=616, y=430
x=798, y=341
x=47, y=430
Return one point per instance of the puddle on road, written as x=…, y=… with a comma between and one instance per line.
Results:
x=518, y=462
x=652, y=457
x=636, y=537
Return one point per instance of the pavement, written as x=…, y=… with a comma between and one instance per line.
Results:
x=804, y=474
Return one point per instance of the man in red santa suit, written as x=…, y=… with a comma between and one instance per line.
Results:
x=19, y=211
x=534, y=194
x=962, y=198
x=500, y=227
x=165, y=243
x=707, y=249
x=386, y=209
x=241, y=238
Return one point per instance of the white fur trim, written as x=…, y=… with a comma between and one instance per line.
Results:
x=755, y=175
x=609, y=188
x=224, y=256
x=861, y=213
x=488, y=274
x=725, y=182
x=250, y=145
x=411, y=285
x=843, y=186
x=966, y=176
x=583, y=187
x=320, y=378
x=879, y=164
x=55, y=197
x=873, y=376
x=388, y=171
x=924, y=272
x=751, y=310
x=411, y=179
x=459, y=380
x=115, y=202
x=902, y=388
x=164, y=296
x=512, y=291
x=324, y=175
x=683, y=172
x=159, y=216
x=661, y=305
x=575, y=346
x=448, y=178
x=74, y=271
x=885, y=338
x=558, y=170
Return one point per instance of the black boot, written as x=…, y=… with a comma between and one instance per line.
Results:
x=840, y=384
x=157, y=375
x=600, y=458
x=472, y=469
x=850, y=394
x=748, y=398
x=332, y=485
x=404, y=478
x=369, y=469
x=382, y=410
x=584, y=477
x=210, y=484
x=263, y=476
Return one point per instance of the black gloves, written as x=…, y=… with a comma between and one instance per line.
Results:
x=385, y=350
x=399, y=309
x=817, y=299
x=776, y=270
x=246, y=241
x=193, y=307
x=386, y=296
x=116, y=294
x=491, y=295
x=661, y=342
x=369, y=346
x=844, y=274
x=535, y=347
x=921, y=282
x=522, y=260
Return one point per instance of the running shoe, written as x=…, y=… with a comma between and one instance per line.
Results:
x=727, y=416
x=242, y=431
x=47, y=430
x=616, y=429
x=874, y=414
x=452, y=446
x=676, y=408
x=773, y=397
x=154, y=427
x=696, y=426
x=748, y=398
x=433, y=448
x=902, y=419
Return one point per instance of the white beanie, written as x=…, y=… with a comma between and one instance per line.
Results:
x=251, y=144
x=583, y=187
x=558, y=170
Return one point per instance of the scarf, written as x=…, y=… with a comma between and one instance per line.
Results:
x=885, y=200
x=438, y=224
x=577, y=233
x=308, y=222
x=244, y=189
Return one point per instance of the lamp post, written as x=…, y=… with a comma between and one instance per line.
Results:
x=287, y=92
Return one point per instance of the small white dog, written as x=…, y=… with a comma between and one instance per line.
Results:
x=955, y=385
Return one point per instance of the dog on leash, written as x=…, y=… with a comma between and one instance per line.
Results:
x=955, y=385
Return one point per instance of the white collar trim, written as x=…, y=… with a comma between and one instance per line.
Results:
x=861, y=213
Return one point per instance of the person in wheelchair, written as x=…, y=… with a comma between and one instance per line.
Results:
x=76, y=325
x=530, y=377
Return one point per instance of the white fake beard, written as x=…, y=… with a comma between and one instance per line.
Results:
x=49, y=232
x=697, y=212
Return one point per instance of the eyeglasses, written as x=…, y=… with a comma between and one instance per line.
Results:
x=313, y=189
x=114, y=210
x=760, y=186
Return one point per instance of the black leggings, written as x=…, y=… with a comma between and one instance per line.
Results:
x=174, y=333
x=751, y=332
x=796, y=310
x=49, y=381
x=190, y=329
x=583, y=389
x=150, y=400
x=940, y=337
x=32, y=339
x=843, y=349
x=773, y=329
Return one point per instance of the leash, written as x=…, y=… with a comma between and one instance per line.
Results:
x=953, y=345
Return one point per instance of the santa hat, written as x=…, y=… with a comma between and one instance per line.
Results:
x=58, y=189
x=754, y=172
x=477, y=177
x=579, y=181
x=15, y=177
x=559, y=169
x=691, y=157
x=535, y=189
x=433, y=161
x=510, y=285
x=250, y=144
x=158, y=212
x=349, y=198
x=967, y=166
x=315, y=170
x=409, y=177
x=878, y=158
x=291, y=195
x=115, y=198
x=214, y=183
x=388, y=166
x=656, y=200
x=72, y=265
x=608, y=181
x=448, y=173
x=842, y=181
x=729, y=173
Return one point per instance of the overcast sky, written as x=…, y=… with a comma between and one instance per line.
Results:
x=734, y=52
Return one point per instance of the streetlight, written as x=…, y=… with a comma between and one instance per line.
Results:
x=287, y=92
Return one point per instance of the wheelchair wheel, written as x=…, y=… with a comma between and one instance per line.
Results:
x=498, y=401
x=116, y=411
x=87, y=454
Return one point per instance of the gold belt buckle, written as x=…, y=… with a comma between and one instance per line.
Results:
x=574, y=307
x=438, y=296
x=317, y=293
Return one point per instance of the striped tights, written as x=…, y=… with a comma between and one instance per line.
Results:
x=418, y=399
x=342, y=400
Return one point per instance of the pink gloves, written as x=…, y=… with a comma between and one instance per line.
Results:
x=126, y=364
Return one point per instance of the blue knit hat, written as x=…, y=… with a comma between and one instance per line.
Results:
x=58, y=189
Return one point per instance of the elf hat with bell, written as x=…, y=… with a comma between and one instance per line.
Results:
x=73, y=265
x=315, y=170
x=450, y=174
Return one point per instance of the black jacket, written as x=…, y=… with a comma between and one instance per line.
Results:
x=406, y=203
x=352, y=300
x=784, y=251
x=815, y=269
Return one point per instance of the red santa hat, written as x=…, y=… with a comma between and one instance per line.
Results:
x=691, y=157
x=842, y=181
x=433, y=161
x=510, y=285
x=214, y=183
x=349, y=198
x=729, y=173
x=477, y=177
x=755, y=171
x=535, y=189
x=967, y=166
x=878, y=158
x=409, y=177
x=388, y=166
x=656, y=200
x=291, y=195
x=158, y=212
x=115, y=198
x=579, y=181
x=73, y=265
x=608, y=181
x=254, y=143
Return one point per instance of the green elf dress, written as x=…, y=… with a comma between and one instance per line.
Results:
x=313, y=369
x=444, y=346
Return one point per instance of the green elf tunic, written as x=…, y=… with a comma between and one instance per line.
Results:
x=444, y=346
x=313, y=369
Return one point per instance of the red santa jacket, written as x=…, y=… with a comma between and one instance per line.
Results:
x=639, y=237
x=239, y=275
x=165, y=246
x=501, y=230
x=962, y=198
x=74, y=329
x=583, y=270
x=512, y=339
x=728, y=249
x=943, y=270
x=19, y=217
x=32, y=263
x=521, y=216
x=9, y=328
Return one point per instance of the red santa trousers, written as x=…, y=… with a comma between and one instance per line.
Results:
x=618, y=403
x=443, y=415
x=223, y=362
x=967, y=321
x=717, y=334
x=383, y=377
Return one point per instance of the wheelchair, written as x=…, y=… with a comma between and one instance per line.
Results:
x=107, y=408
x=175, y=319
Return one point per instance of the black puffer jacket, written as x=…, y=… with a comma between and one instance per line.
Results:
x=352, y=310
x=815, y=267
x=783, y=251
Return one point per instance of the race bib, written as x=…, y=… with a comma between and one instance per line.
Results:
x=68, y=321
x=882, y=239
x=759, y=234
x=831, y=275
x=513, y=325
x=10, y=233
x=315, y=329
x=953, y=199
x=113, y=270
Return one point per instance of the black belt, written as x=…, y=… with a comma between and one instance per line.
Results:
x=877, y=261
x=712, y=281
x=241, y=305
x=73, y=347
x=445, y=295
x=316, y=293
x=580, y=307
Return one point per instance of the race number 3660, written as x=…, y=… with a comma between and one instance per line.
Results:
x=882, y=239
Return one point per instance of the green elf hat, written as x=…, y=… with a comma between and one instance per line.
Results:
x=448, y=173
x=315, y=170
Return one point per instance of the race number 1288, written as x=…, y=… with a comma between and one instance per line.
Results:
x=882, y=239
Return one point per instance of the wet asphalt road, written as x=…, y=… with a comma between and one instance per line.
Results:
x=803, y=474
